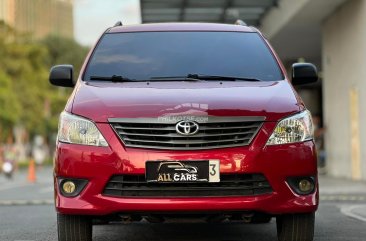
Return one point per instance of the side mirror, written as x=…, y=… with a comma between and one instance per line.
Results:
x=62, y=75
x=304, y=73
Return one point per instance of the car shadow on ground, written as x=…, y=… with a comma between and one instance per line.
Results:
x=186, y=231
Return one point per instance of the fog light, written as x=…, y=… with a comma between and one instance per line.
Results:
x=302, y=185
x=305, y=186
x=69, y=187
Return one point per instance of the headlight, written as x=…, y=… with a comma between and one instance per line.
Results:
x=77, y=130
x=296, y=128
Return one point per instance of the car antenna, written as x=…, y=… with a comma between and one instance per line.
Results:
x=240, y=22
x=119, y=23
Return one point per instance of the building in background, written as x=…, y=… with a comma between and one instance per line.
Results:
x=40, y=18
x=328, y=33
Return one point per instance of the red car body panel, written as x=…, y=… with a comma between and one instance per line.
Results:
x=98, y=164
x=277, y=163
x=99, y=101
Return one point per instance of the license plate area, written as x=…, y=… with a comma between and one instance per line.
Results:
x=182, y=171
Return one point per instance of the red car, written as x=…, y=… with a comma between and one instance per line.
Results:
x=185, y=120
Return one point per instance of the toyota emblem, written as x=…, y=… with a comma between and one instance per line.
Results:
x=187, y=128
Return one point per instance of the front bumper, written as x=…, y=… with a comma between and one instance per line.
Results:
x=98, y=164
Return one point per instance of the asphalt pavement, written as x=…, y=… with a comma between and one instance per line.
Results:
x=19, y=190
x=27, y=213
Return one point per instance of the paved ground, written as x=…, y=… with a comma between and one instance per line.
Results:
x=341, y=216
x=19, y=189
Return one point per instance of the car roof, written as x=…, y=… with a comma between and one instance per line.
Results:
x=166, y=27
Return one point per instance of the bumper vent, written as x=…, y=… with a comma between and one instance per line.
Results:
x=215, y=132
x=230, y=185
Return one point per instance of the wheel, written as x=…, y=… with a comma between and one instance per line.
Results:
x=74, y=228
x=261, y=218
x=296, y=227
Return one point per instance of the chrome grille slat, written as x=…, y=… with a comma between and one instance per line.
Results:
x=228, y=127
x=145, y=128
x=184, y=141
x=184, y=148
x=216, y=132
x=180, y=136
x=173, y=128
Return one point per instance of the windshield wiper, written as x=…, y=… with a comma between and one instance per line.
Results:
x=113, y=78
x=195, y=77
x=188, y=77
x=219, y=77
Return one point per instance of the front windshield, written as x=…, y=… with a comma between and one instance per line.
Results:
x=142, y=55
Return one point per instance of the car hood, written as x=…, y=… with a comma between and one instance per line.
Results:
x=102, y=100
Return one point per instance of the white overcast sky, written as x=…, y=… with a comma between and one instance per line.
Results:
x=92, y=17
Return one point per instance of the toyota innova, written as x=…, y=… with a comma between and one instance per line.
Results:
x=190, y=120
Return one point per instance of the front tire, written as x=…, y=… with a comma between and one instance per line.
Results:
x=74, y=228
x=296, y=227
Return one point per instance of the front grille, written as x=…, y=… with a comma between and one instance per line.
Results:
x=214, y=132
x=230, y=185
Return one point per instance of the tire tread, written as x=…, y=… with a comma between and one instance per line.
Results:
x=73, y=228
x=296, y=227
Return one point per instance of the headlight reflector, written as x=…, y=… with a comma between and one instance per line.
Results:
x=296, y=128
x=78, y=130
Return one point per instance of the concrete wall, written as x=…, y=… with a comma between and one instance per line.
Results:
x=344, y=89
